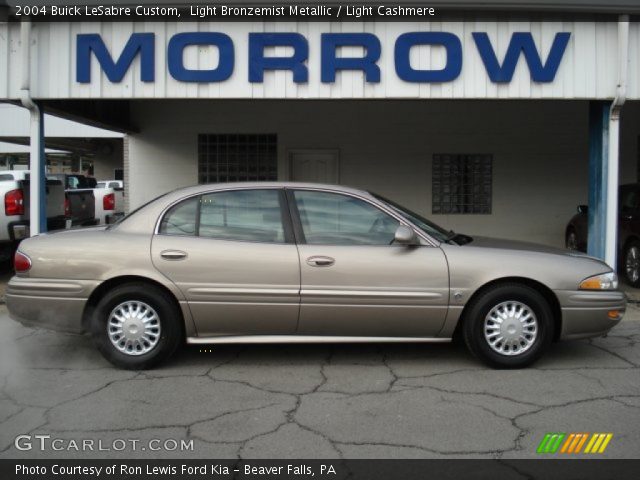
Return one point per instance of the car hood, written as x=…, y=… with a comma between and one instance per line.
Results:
x=502, y=244
x=484, y=260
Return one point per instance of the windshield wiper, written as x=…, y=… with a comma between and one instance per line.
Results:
x=450, y=236
x=457, y=238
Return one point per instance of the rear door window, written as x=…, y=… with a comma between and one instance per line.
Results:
x=181, y=218
x=240, y=215
x=247, y=215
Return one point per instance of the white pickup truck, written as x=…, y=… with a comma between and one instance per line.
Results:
x=109, y=201
x=14, y=217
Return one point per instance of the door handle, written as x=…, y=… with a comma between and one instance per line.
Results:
x=173, y=254
x=320, y=261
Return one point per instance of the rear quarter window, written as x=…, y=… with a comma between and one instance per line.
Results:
x=181, y=218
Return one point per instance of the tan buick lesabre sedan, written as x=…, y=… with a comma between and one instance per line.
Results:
x=287, y=262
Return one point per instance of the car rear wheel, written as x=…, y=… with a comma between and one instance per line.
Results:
x=135, y=326
x=631, y=261
x=508, y=326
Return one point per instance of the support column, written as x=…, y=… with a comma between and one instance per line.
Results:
x=37, y=178
x=604, y=131
x=598, y=173
x=612, y=179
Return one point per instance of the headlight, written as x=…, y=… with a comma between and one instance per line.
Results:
x=605, y=281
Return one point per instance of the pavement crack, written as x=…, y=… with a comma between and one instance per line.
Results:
x=617, y=355
x=394, y=376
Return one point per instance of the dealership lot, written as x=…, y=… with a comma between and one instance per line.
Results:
x=314, y=401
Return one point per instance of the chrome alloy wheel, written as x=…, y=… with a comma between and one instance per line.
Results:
x=510, y=328
x=133, y=328
x=632, y=264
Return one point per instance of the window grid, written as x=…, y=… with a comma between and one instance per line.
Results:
x=237, y=157
x=462, y=183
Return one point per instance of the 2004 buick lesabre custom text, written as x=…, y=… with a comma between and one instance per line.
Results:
x=287, y=262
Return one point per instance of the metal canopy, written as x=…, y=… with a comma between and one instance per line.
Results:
x=102, y=113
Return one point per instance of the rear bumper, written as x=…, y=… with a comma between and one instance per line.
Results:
x=53, y=304
x=85, y=222
x=587, y=314
x=113, y=217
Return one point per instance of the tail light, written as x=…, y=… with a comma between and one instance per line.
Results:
x=14, y=202
x=21, y=262
x=67, y=207
x=109, y=202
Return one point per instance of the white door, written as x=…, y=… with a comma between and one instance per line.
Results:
x=316, y=166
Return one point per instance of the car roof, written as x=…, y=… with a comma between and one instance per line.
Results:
x=208, y=187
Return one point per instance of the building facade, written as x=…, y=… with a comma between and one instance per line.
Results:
x=497, y=124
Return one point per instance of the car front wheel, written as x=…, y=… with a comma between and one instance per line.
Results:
x=508, y=326
x=135, y=326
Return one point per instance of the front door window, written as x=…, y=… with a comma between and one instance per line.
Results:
x=334, y=219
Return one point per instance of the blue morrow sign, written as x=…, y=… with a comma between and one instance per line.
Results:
x=144, y=45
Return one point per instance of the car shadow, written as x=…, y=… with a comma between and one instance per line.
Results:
x=305, y=354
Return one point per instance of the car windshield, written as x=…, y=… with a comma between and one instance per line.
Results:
x=419, y=221
x=101, y=185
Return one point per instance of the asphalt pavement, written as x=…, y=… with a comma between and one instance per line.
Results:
x=314, y=401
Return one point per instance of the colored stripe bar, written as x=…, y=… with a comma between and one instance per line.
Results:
x=582, y=442
x=574, y=444
x=543, y=443
x=598, y=442
x=594, y=437
x=567, y=442
x=605, y=443
x=557, y=442
x=551, y=442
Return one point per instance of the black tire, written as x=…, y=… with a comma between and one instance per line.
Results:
x=171, y=332
x=473, y=327
x=631, y=263
x=7, y=253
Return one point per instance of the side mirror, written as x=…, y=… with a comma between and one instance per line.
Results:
x=583, y=209
x=405, y=236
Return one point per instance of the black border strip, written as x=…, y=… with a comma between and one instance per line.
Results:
x=299, y=469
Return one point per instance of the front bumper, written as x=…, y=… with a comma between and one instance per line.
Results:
x=52, y=304
x=587, y=313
